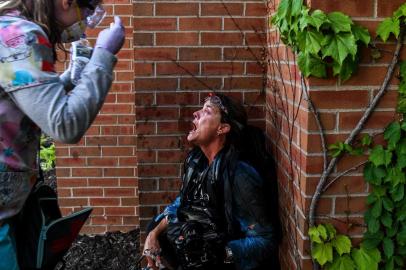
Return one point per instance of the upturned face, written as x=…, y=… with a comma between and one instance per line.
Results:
x=206, y=125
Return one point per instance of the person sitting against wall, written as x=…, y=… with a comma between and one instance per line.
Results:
x=225, y=216
x=34, y=98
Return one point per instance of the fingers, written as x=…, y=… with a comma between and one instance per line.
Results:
x=117, y=20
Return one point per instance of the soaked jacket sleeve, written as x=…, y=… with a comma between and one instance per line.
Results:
x=249, y=209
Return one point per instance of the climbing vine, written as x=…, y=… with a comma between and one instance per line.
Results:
x=331, y=41
x=322, y=41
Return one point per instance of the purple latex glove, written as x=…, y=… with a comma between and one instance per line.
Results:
x=112, y=39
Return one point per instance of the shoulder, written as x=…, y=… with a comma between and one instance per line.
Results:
x=26, y=54
x=246, y=174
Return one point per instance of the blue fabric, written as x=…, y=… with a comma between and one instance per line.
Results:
x=8, y=252
x=170, y=211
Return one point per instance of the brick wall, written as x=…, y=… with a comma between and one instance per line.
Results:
x=100, y=170
x=341, y=106
x=182, y=50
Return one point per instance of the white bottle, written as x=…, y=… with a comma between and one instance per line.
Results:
x=81, y=51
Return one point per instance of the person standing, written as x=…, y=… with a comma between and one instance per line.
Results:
x=35, y=99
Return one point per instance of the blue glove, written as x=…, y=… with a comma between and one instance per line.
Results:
x=112, y=39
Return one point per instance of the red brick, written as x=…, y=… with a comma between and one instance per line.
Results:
x=156, y=84
x=120, y=211
x=91, y=172
x=250, y=24
x=177, y=98
x=157, y=197
x=151, y=54
x=386, y=8
x=159, y=24
x=106, y=220
x=143, y=39
x=202, y=83
x=240, y=54
x=102, y=162
x=118, y=151
x=158, y=170
x=157, y=113
x=101, y=140
x=177, y=39
x=231, y=68
x=178, y=68
x=110, y=172
x=196, y=54
x=102, y=182
x=177, y=9
x=200, y=24
x=340, y=99
x=357, y=8
x=256, y=9
x=158, y=142
x=348, y=120
x=229, y=39
x=119, y=192
x=212, y=9
x=350, y=205
x=143, y=9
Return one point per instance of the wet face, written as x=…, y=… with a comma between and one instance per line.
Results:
x=206, y=125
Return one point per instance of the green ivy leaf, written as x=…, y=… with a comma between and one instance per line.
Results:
x=376, y=209
x=340, y=22
x=401, y=11
x=388, y=26
x=390, y=264
x=401, y=236
x=392, y=134
x=373, y=174
x=395, y=176
x=401, y=147
x=366, y=259
x=387, y=204
x=322, y=232
x=366, y=140
x=388, y=247
x=372, y=240
x=402, y=69
x=331, y=231
x=342, y=244
x=372, y=197
x=379, y=156
x=323, y=253
x=314, y=235
x=402, y=86
x=296, y=7
x=342, y=263
x=401, y=106
x=310, y=41
x=398, y=193
x=402, y=250
x=346, y=69
x=386, y=219
x=392, y=231
x=361, y=33
x=373, y=225
x=284, y=9
x=399, y=261
x=318, y=18
x=311, y=65
x=339, y=46
x=401, y=162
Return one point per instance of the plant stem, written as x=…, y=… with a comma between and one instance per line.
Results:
x=354, y=133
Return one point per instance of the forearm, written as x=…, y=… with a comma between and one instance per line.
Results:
x=66, y=117
x=162, y=226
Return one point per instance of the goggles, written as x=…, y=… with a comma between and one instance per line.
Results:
x=93, y=11
x=216, y=100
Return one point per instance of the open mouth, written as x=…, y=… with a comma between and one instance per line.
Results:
x=193, y=126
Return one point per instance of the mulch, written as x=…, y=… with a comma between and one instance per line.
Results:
x=110, y=251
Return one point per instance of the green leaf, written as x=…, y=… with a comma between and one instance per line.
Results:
x=322, y=232
x=366, y=259
x=338, y=46
x=372, y=197
x=317, y=18
x=386, y=219
x=401, y=106
x=373, y=225
x=366, y=140
x=392, y=231
x=401, y=11
x=346, y=69
x=398, y=193
x=376, y=209
x=392, y=134
x=401, y=237
x=402, y=86
x=401, y=162
x=284, y=9
x=323, y=253
x=340, y=22
x=395, y=176
x=388, y=247
x=310, y=41
x=296, y=7
x=402, y=69
x=331, y=231
x=401, y=147
x=387, y=204
x=342, y=244
x=372, y=240
x=373, y=174
x=314, y=235
x=379, y=156
x=390, y=264
x=311, y=65
x=342, y=263
x=361, y=33
x=388, y=26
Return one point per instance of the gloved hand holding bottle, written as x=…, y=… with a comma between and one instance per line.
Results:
x=112, y=39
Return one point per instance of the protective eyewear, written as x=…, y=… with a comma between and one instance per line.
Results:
x=216, y=100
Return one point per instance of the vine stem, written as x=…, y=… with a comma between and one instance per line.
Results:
x=343, y=173
x=353, y=134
